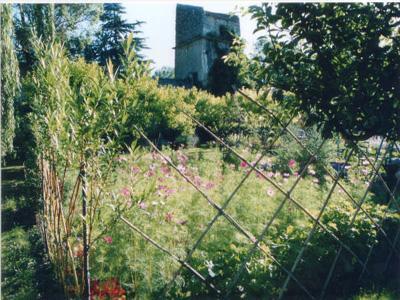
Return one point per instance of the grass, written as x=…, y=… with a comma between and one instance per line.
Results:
x=26, y=272
x=381, y=295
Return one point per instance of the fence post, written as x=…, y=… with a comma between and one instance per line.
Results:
x=86, y=270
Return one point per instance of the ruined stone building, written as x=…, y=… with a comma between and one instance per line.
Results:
x=201, y=37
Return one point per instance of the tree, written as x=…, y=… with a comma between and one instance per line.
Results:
x=222, y=76
x=340, y=61
x=113, y=31
x=53, y=22
x=165, y=72
x=76, y=24
x=9, y=80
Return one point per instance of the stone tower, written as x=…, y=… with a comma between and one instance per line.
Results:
x=199, y=36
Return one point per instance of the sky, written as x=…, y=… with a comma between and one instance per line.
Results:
x=159, y=29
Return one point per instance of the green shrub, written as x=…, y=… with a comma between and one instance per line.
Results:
x=18, y=266
x=158, y=111
x=289, y=150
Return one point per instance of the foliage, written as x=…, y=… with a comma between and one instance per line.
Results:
x=162, y=204
x=159, y=112
x=222, y=77
x=69, y=17
x=52, y=22
x=344, y=78
x=165, y=72
x=109, y=289
x=79, y=115
x=113, y=31
x=289, y=150
x=18, y=267
x=374, y=295
x=26, y=273
x=249, y=70
x=9, y=80
x=262, y=278
x=85, y=119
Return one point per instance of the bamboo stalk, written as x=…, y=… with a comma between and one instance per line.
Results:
x=86, y=270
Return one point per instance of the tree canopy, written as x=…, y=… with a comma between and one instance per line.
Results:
x=114, y=29
x=53, y=22
x=165, y=72
x=340, y=61
x=9, y=79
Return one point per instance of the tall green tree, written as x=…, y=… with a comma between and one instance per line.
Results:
x=341, y=61
x=223, y=77
x=9, y=79
x=71, y=24
x=114, y=29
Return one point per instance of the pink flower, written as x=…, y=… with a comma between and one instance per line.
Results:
x=270, y=192
x=142, y=205
x=161, y=187
x=296, y=174
x=169, y=216
x=169, y=192
x=154, y=155
x=108, y=239
x=286, y=175
x=365, y=172
x=197, y=180
x=182, y=158
x=165, y=170
x=210, y=185
x=150, y=173
x=243, y=164
x=292, y=163
x=270, y=174
x=135, y=170
x=181, y=168
x=125, y=192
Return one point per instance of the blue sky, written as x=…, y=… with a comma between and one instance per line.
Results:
x=159, y=29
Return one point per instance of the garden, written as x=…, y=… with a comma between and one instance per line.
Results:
x=286, y=188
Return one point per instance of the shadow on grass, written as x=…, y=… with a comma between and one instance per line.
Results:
x=26, y=271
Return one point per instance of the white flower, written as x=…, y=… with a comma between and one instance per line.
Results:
x=210, y=265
